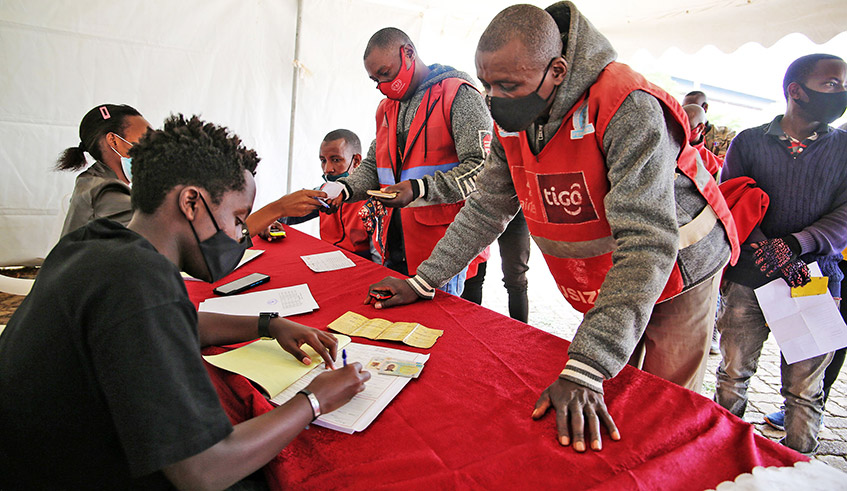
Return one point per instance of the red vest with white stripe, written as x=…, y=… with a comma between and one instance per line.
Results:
x=345, y=229
x=562, y=198
x=429, y=148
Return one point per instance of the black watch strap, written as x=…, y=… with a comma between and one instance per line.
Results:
x=265, y=323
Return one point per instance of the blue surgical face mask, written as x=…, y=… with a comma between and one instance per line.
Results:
x=126, y=162
x=329, y=178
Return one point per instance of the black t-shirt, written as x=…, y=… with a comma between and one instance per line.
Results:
x=101, y=380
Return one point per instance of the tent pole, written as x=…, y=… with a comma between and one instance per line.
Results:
x=294, y=86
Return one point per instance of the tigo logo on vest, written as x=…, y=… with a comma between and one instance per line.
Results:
x=565, y=198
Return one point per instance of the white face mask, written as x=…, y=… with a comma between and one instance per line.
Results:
x=126, y=162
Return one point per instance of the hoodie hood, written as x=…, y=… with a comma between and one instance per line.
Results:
x=586, y=51
x=439, y=73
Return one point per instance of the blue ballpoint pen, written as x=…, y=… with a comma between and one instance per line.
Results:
x=344, y=356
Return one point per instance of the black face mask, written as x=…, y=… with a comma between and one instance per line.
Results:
x=516, y=114
x=825, y=107
x=220, y=252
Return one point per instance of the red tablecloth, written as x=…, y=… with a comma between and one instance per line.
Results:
x=465, y=423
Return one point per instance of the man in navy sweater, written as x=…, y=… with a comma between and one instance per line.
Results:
x=799, y=161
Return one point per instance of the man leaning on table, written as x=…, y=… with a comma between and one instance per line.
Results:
x=635, y=219
x=101, y=380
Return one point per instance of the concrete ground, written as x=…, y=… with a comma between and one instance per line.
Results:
x=550, y=312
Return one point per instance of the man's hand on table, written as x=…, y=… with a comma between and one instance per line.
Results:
x=405, y=195
x=390, y=292
x=291, y=336
x=335, y=388
x=266, y=233
x=576, y=407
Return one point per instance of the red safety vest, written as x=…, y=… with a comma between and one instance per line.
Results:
x=712, y=162
x=429, y=148
x=562, y=189
x=345, y=229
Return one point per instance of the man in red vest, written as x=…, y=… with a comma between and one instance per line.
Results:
x=623, y=211
x=715, y=138
x=697, y=124
x=432, y=134
x=340, y=153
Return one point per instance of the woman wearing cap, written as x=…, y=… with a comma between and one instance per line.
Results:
x=106, y=132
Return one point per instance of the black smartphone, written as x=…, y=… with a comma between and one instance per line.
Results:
x=242, y=284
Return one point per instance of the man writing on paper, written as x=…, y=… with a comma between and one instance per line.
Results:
x=801, y=163
x=101, y=380
x=432, y=134
x=617, y=201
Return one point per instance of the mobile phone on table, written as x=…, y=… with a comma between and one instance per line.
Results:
x=242, y=284
x=278, y=233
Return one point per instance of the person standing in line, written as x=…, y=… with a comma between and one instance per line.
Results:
x=799, y=161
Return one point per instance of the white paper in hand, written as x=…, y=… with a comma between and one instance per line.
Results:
x=804, y=327
x=332, y=189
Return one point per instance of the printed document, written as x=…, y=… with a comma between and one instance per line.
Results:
x=360, y=412
x=290, y=300
x=804, y=327
x=411, y=333
x=282, y=376
x=327, y=261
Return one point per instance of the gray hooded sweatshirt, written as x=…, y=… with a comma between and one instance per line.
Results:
x=470, y=125
x=646, y=204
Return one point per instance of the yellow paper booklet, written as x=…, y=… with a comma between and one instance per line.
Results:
x=266, y=363
x=410, y=333
x=817, y=286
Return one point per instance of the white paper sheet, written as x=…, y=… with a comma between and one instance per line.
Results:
x=332, y=189
x=804, y=327
x=287, y=301
x=360, y=412
x=327, y=261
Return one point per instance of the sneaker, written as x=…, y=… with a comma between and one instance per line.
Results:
x=715, y=348
x=776, y=420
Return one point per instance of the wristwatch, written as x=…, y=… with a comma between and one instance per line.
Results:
x=313, y=400
x=265, y=323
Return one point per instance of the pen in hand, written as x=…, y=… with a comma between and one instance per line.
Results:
x=344, y=357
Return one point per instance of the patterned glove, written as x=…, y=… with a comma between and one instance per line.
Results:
x=796, y=273
x=779, y=256
x=771, y=255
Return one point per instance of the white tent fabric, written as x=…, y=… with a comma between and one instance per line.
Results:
x=235, y=64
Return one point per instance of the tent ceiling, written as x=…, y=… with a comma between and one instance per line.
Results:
x=658, y=25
